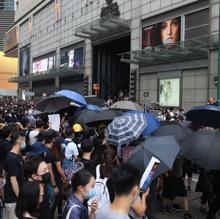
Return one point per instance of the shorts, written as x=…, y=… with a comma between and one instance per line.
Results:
x=174, y=187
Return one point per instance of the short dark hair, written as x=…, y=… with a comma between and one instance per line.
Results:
x=6, y=131
x=69, y=132
x=80, y=178
x=50, y=135
x=124, y=179
x=87, y=145
x=31, y=166
x=24, y=122
x=39, y=123
x=15, y=136
x=28, y=199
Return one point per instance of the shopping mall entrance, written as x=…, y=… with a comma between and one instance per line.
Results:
x=108, y=70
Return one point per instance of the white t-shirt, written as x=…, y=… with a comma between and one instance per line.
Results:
x=71, y=149
x=107, y=213
x=32, y=136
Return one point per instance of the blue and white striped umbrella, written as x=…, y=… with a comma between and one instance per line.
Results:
x=125, y=129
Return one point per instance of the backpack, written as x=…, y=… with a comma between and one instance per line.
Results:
x=102, y=193
x=69, y=166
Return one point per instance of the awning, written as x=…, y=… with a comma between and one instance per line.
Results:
x=102, y=27
x=197, y=48
x=50, y=74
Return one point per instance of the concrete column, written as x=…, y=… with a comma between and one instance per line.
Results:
x=136, y=38
x=88, y=64
x=213, y=55
x=30, y=85
x=57, y=57
x=57, y=83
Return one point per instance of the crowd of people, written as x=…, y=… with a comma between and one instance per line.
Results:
x=74, y=173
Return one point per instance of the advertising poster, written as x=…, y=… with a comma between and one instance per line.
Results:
x=162, y=33
x=73, y=58
x=43, y=64
x=24, y=61
x=169, y=92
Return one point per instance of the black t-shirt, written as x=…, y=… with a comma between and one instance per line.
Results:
x=13, y=167
x=98, y=149
x=90, y=165
x=5, y=147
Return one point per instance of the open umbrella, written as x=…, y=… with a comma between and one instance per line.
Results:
x=74, y=96
x=207, y=115
x=94, y=100
x=93, y=107
x=125, y=129
x=177, y=131
x=126, y=106
x=93, y=118
x=203, y=149
x=53, y=104
x=152, y=123
x=163, y=148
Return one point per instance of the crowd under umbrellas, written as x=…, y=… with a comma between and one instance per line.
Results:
x=137, y=136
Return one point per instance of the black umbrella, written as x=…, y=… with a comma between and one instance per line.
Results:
x=163, y=148
x=207, y=115
x=94, y=100
x=53, y=104
x=94, y=118
x=177, y=131
x=203, y=148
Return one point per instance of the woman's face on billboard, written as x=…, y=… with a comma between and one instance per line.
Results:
x=170, y=31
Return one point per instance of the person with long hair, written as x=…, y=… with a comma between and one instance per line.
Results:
x=59, y=175
x=83, y=189
x=29, y=200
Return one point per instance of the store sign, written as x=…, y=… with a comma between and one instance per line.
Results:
x=10, y=39
x=162, y=33
x=169, y=92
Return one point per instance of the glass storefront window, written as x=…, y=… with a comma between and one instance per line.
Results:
x=72, y=58
x=7, y=5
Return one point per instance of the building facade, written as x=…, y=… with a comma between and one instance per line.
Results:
x=8, y=65
x=166, y=49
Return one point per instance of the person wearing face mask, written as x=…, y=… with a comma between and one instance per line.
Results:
x=78, y=135
x=126, y=180
x=33, y=192
x=36, y=169
x=14, y=179
x=82, y=190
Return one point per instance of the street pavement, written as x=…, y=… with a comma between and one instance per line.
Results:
x=194, y=205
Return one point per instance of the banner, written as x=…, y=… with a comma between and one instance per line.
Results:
x=162, y=33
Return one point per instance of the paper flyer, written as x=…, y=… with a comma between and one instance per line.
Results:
x=149, y=174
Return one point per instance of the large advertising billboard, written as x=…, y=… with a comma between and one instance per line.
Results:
x=162, y=33
x=24, y=65
x=169, y=92
x=43, y=65
x=73, y=58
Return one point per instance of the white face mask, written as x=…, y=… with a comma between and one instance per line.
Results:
x=2, y=182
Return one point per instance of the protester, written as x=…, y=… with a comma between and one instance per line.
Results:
x=35, y=132
x=29, y=200
x=59, y=175
x=13, y=167
x=5, y=142
x=82, y=189
x=126, y=181
x=87, y=160
x=37, y=170
x=2, y=184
